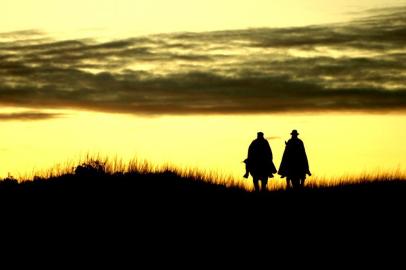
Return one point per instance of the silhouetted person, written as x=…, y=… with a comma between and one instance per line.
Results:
x=259, y=162
x=294, y=165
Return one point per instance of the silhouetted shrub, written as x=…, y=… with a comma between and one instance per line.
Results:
x=9, y=181
x=38, y=179
x=92, y=168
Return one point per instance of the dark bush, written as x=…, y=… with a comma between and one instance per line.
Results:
x=92, y=168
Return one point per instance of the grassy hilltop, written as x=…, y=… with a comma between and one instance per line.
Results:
x=139, y=200
x=103, y=180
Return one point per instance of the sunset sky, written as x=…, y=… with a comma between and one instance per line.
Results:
x=191, y=82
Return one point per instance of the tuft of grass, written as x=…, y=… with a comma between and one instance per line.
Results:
x=361, y=179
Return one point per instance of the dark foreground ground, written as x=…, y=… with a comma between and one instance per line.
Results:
x=143, y=215
x=167, y=195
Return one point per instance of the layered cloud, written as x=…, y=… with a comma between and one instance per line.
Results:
x=360, y=65
x=28, y=116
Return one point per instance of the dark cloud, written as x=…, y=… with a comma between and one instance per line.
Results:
x=353, y=66
x=21, y=34
x=27, y=116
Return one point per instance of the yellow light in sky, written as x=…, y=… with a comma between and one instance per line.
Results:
x=121, y=17
x=336, y=144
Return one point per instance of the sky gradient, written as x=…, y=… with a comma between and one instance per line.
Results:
x=155, y=78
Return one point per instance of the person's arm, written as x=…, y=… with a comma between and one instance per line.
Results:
x=250, y=151
x=269, y=150
x=305, y=160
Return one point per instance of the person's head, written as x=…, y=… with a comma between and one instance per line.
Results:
x=260, y=135
x=294, y=133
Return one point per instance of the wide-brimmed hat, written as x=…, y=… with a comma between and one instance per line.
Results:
x=294, y=132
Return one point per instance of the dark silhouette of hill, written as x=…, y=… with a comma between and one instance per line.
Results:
x=168, y=192
x=165, y=213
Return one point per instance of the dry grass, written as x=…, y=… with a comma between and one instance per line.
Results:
x=114, y=165
x=365, y=178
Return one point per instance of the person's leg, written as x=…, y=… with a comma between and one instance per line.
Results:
x=293, y=182
x=256, y=184
x=288, y=182
x=296, y=183
x=264, y=184
x=302, y=181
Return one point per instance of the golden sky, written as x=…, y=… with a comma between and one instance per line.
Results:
x=124, y=17
x=336, y=144
x=191, y=82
